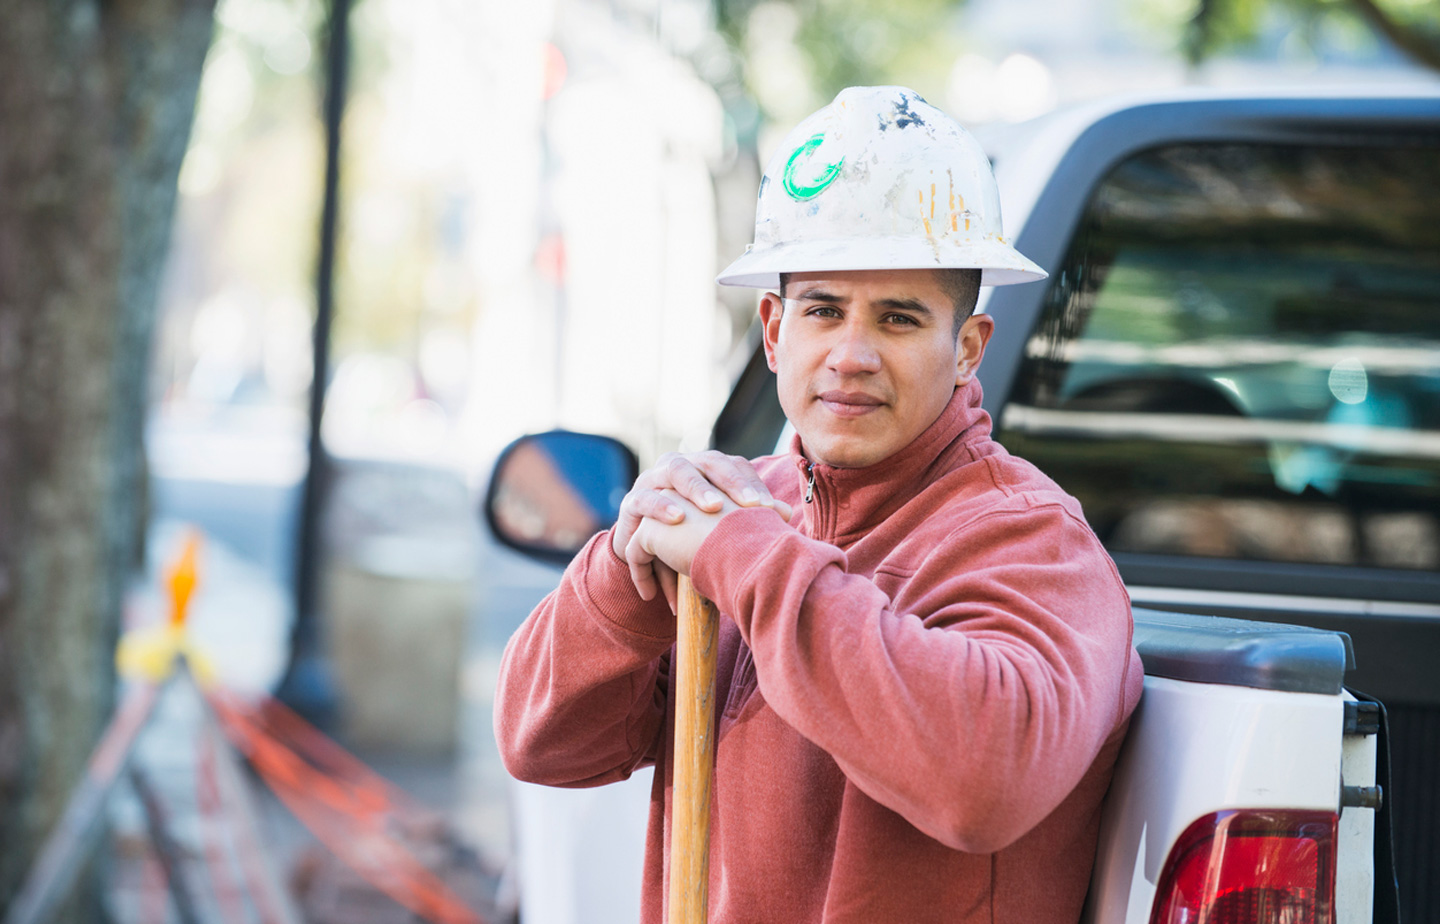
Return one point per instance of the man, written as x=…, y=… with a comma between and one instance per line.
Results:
x=925, y=661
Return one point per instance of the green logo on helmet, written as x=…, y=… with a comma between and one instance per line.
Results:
x=801, y=190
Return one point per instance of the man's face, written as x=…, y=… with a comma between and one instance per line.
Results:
x=866, y=359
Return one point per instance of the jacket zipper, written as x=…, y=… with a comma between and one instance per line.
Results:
x=810, y=486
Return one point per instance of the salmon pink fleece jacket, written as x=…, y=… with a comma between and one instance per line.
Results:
x=925, y=681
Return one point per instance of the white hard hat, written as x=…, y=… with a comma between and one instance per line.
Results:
x=879, y=179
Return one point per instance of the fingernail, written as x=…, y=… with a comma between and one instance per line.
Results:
x=749, y=496
x=673, y=512
x=712, y=499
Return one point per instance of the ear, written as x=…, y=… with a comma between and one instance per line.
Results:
x=970, y=346
x=771, y=307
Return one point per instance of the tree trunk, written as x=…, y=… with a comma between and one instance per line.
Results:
x=96, y=102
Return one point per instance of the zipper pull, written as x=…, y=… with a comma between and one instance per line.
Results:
x=810, y=487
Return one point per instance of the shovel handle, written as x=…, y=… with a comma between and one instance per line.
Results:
x=697, y=649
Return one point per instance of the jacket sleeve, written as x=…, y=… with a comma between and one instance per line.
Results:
x=974, y=711
x=581, y=695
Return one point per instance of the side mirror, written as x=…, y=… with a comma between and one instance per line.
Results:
x=550, y=492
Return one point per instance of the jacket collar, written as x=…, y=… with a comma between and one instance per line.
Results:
x=849, y=502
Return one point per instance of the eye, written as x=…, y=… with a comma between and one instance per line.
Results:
x=824, y=311
x=901, y=320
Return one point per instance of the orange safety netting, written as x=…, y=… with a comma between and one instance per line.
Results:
x=360, y=817
x=354, y=811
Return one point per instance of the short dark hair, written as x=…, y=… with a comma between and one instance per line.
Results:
x=962, y=285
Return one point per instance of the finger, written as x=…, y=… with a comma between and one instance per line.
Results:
x=637, y=505
x=784, y=509
x=643, y=577
x=737, y=478
x=670, y=584
x=690, y=483
x=642, y=572
x=626, y=522
x=656, y=504
x=621, y=532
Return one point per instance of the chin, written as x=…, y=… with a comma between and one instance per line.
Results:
x=841, y=456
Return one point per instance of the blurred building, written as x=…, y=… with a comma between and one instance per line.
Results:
x=596, y=244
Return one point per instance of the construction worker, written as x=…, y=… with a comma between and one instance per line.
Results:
x=926, y=667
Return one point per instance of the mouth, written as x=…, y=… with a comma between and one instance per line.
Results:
x=849, y=404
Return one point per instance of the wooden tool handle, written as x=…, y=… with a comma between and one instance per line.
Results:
x=696, y=652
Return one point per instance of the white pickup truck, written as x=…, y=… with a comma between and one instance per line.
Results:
x=1235, y=366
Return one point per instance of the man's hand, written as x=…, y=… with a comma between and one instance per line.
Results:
x=670, y=547
x=703, y=482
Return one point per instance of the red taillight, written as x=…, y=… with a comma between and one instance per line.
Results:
x=1251, y=867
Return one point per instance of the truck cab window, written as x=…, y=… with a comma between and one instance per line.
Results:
x=1240, y=356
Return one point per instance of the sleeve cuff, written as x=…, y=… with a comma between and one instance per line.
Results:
x=605, y=581
x=733, y=549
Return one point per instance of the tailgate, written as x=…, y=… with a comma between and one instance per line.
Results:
x=1235, y=715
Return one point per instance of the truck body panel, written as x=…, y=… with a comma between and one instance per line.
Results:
x=1197, y=748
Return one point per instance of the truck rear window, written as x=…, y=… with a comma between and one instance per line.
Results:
x=1240, y=356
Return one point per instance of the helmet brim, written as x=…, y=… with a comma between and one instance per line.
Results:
x=998, y=262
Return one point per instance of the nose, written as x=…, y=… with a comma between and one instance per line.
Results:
x=854, y=351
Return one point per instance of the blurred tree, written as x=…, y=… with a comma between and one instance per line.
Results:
x=96, y=103
x=840, y=43
x=1411, y=26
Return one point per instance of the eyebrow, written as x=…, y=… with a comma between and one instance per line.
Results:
x=817, y=294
